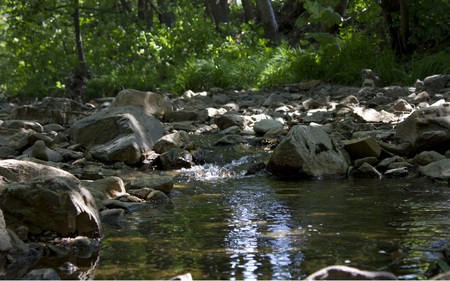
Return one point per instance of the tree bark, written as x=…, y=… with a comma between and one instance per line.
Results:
x=218, y=11
x=145, y=13
x=404, y=25
x=78, y=38
x=76, y=82
x=399, y=33
x=269, y=21
x=249, y=15
x=167, y=17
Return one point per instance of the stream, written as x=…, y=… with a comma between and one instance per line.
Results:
x=225, y=225
x=249, y=228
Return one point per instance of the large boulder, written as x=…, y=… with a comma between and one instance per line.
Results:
x=45, y=198
x=439, y=170
x=51, y=110
x=151, y=103
x=308, y=151
x=426, y=129
x=119, y=134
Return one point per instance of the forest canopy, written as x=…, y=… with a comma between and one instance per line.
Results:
x=93, y=48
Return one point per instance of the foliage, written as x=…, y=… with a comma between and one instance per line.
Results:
x=37, y=48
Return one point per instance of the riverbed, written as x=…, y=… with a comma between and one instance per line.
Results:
x=259, y=227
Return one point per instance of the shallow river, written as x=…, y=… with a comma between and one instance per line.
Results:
x=261, y=228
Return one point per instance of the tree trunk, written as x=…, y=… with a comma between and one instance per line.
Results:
x=167, y=17
x=269, y=21
x=404, y=26
x=77, y=81
x=249, y=15
x=145, y=13
x=218, y=11
x=398, y=32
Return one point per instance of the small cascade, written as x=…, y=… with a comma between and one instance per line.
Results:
x=210, y=172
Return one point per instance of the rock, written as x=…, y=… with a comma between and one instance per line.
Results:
x=113, y=217
x=176, y=158
x=439, y=170
x=264, y=126
x=367, y=171
x=51, y=110
x=127, y=134
x=187, y=115
x=108, y=188
x=183, y=277
x=6, y=152
x=42, y=274
x=426, y=129
x=340, y=272
x=369, y=160
x=427, y=157
x=151, y=103
x=397, y=172
x=22, y=171
x=174, y=140
x=40, y=192
x=5, y=240
x=308, y=152
x=22, y=125
x=152, y=181
x=231, y=139
x=230, y=119
x=128, y=207
x=360, y=148
x=436, y=82
x=157, y=196
x=40, y=151
x=442, y=276
x=371, y=115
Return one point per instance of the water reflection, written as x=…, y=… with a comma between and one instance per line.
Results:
x=257, y=228
x=261, y=229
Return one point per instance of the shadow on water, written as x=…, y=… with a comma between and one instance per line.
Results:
x=259, y=228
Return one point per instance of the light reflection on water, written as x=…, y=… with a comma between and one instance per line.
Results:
x=259, y=228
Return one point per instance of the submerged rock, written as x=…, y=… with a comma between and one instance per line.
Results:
x=340, y=272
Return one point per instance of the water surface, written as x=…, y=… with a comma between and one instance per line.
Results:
x=263, y=228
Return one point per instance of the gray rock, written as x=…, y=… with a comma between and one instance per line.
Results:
x=120, y=134
x=157, y=196
x=426, y=129
x=40, y=151
x=363, y=114
x=5, y=240
x=176, y=158
x=113, y=217
x=339, y=272
x=107, y=188
x=360, y=148
x=427, y=157
x=436, y=82
x=151, y=181
x=230, y=119
x=367, y=171
x=263, y=126
x=308, y=152
x=439, y=170
x=40, y=192
x=151, y=103
x=200, y=115
x=51, y=110
x=174, y=140
x=22, y=125
x=42, y=274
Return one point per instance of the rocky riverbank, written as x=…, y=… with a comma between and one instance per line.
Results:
x=68, y=168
